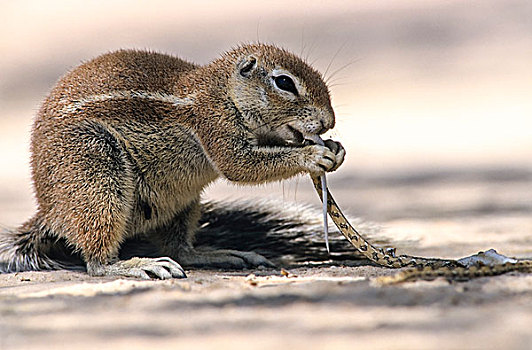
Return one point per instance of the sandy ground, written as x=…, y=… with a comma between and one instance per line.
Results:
x=433, y=106
x=320, y=308
x=325, y=306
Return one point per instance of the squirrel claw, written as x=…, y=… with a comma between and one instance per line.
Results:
x=145, y=268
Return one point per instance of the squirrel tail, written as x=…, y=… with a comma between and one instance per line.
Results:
x=33, y=247
x=287, y=234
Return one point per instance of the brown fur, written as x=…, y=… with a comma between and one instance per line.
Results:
x=125, y=144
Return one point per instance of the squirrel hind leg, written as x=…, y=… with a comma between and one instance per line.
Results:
x=222, y=259
x=175, y=239
x=92, y=194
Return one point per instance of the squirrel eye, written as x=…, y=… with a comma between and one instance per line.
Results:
x=285, y=83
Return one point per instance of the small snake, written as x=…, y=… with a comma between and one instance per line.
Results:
x=420, y=268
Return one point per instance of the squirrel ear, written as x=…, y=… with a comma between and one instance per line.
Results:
x=246, y=65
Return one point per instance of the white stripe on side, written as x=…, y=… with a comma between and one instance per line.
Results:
x=77, y=105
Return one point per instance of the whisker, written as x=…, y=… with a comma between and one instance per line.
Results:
x=302, y=42
x=340, y=69
x=258, y=27
x=336, y=84
x=340, y=105
x=332, y=60
x=312, y=46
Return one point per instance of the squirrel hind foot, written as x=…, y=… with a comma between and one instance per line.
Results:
x=223, y=259
x=144, y=268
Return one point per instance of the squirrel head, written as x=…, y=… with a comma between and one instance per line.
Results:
x=281, y=97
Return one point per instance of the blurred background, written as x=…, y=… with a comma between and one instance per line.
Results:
x=433, y=98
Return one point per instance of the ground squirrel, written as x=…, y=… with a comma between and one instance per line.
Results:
x=125, y=144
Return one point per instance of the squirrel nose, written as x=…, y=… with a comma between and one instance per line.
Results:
x=327, y=121
x=324, y=126
x=323, y=129
x=320, y=123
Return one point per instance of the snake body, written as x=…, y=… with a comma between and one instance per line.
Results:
x=420, y=268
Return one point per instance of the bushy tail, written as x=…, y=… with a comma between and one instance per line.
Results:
x=287, y=234
x=33, y=247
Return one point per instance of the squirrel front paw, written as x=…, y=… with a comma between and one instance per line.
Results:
x=318, y=159
x=339, y=151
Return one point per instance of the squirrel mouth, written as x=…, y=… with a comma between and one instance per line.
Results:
x=298, y=138
x=286, y=136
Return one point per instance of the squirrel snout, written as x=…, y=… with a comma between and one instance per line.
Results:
x=322, y=129
x=326, y=125
x=317, y=122
x=327, y=121
x=318, y=127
